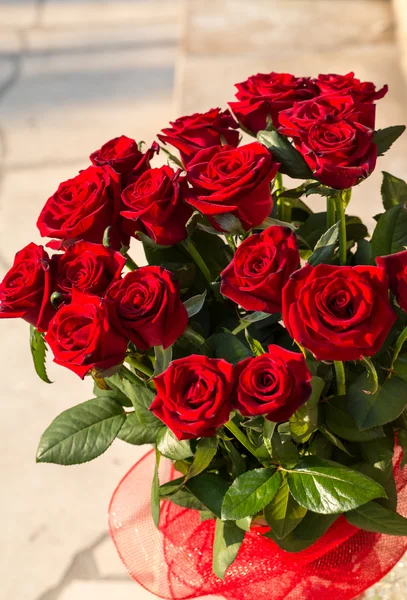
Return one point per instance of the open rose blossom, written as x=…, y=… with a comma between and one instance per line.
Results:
x=201, y=130
x=146, y=307
x=26, y=288
x=274, y=384
x=395, y=266
x=338, y=313
x=88, y=267
x=335, y=136
x=263, y=262
x=154, y=204
x=233, y=180
x=348, y=84
x=193, y=396
x=81, y=336
x=263, y=96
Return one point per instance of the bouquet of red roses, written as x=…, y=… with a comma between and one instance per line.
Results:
x=263, y=350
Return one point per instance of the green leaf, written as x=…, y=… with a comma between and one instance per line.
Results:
x=377, y=518
x=326, y=487
x=309, y=530
x=227, y=541
x=205, y=452
x=402, y=436
x=228, y=347
x=400, y=367
x=255, y=346
x=245, y=523
x=385, y=138
x=250, y=493
x=141, y=398
x=38, y=350
x=82, y=432
x=270, y=222
x=186, y=499
x=341, y=423
x=284, y=450
x=379, y=453
x=363, y=254
x=229, y=223
x=304, y=421
x=386, y=480
x=209, y=489
x=292, y=163
x=162, y=359
x=136, y=433
x=372, y=410
x=326, y=246
x=394, y=191
x=333, y=439
x=390, y=234
x=283, y=513
x=254, y=317
x=194, y=304
x=238, y=462
x=171, y=447
x=155, y=492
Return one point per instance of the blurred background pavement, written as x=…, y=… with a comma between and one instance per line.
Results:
x=73, y=74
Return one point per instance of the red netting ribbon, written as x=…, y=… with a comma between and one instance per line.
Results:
x=176, y=561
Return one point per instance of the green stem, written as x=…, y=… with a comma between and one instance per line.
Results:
x=239, y=435
x=330, y=212
x=399, y=344
x=340, y=202
x=371, y=369
x=130, y=264
x=242, y=325
x=193, y=252
x=340, y=377
x=139, y=366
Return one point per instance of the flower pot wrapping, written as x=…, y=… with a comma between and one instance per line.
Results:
x=176, y=560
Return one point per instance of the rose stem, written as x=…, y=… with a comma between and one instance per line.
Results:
x=239, y=435
x=340, y=209
x=242, y=325
x=278, y=189
x=399, y=344
x=193, y=252
x=139, y=366
x=330, y=212
x=340, y=377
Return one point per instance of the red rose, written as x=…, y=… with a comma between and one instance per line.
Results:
x=81, y=336
x=233, y=180
x=201, y=130
x=395, y=266
x=146, y=307
x=83, y=207
x=335, y=136
x=260, y=268
x=193, y=396
x=263, y=96
x=25, y=290
x=88, y=267
x=338, y=313
x=348, y=84
x=155, y=205
x=274, y=384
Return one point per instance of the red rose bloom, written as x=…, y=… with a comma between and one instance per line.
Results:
x=83, y=207
x=146, y=307
x=121, y=153
x=26, y=288
x=348, y=84
x=233, y=180
x=395, y=266
x=201, y=130
x=274, y=384
x=338, y=313
x=155, y=205
x=335, y=136
x=260, y=268
x=193, y=396
x=81, y=336
x=88, y=267
x=263, y=96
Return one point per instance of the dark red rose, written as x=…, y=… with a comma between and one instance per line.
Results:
x=395, y=266
x=263, y=96
x=88, y=267
x=338, y=313
x=154, y=204
x=348, y=84
x=83, y=207
x=335, y=136
x=121, y=153
x=260, y=268
x=193, y=396
x=25, y=290
x=146, y=307
x=274, y=384
x=201, y=130
x=233, y=180
x=81, y=336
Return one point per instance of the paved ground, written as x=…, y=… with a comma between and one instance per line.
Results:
x=74, y=73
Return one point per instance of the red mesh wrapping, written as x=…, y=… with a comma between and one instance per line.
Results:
x=176, y=562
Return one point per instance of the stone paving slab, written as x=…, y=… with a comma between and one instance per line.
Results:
x=18, y=14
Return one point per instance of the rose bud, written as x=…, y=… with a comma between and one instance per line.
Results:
x=348, y=84
x=260, y=268
x=199, y=131
x=81, y=336
x=154, y=204
x=233, y=180
x=395, y=266
x=274, y=384
x=26, y=288
x=338, y=313
x=146, y=307
x=193, y=396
